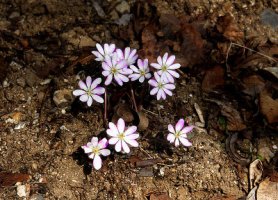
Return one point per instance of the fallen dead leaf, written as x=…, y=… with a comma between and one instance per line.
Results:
x=143, y=121
x=269, y=107
x=229, y=28
x=267, y=190
x=255, y=172
x=9, y=179
x=213, y=78
x=253, y=85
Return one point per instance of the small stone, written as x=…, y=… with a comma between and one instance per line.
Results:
x=123, y=7
x=21, y=191
x=31, y=78
x=21, y=82
x=63, y=98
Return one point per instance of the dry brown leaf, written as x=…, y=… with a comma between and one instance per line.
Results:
x=269, y=107
x=253, y=85
x=255, y=172
x=267, y=190
x=143, y=121
x=228, y=27
x=213, y=78
x=9, y=179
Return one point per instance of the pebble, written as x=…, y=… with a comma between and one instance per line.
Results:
x=63, y=98
x=21, y=82
x=123, y=7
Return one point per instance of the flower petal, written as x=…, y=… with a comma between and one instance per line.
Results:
x=132, y=143
x=187, y=129
x=78, y=92
x=118, y=146
x=167, y=91
x=86, y=149
x=121, y=125
x=113, y=131
x=171, y=137
x=90, y=101
x=171, y=128
x=169, y=77
x=98, y=98
x=130, y=130
x=156, y=66
x=102, y=143
x=159, y=60
x=169, y=86
x=185, y=142
x=179, y=125
x=141, y=79
x=125, y=147
x=135, y=69
x=153, y=83
x=99, y=90
x=88, y=81
x=173, y=73
x=84, y=98
x=154, y=91
x=170, y=60
x=105, y=152
x=164, y=59
x=97, y=162
x=82, y=85
x=113, y=140
x=177, y=143
x=108, y=79
x=174, y=66
x=132, y=136
x=134, y=77
x=99, y=48
x=95, y=83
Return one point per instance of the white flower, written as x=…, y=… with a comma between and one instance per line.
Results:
x=122, y=137
x=166, y=68
x=141, y=72
x=96, y=148
x=179, y=134
x=90, y=91
x=104, y=52
x=129, y=55
x=117, y=69
x=161, y=88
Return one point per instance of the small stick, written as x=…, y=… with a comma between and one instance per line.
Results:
x=105, y=107
x=133, y=99
x=232, y=43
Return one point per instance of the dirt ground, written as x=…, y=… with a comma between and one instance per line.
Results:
x=45, y=49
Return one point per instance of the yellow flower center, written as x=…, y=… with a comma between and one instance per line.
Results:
x=177, y=135
x=121, y=136
x=142, y=72
x=164, y=68
x=114, y=70
x=95, y=150
x=160, y=85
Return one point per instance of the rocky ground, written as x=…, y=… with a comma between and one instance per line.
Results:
x=228, y=90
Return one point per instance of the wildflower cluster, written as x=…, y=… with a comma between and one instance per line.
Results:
x=122, y=66
x=119, y=65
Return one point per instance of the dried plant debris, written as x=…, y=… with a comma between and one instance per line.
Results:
x=269, y=107
x=255, y=172
x=10, y=179
x=267, y=190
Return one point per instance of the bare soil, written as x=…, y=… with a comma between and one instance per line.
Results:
x=45, y=47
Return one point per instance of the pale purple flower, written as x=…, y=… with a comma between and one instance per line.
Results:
x=90, y=91
x=96, y=148
x=122, y=137
x=166, y=68
x=104, y=52
x=129, y=55
x=161, y=88
x=115, y=69
x=141, y=72
x=178, y=134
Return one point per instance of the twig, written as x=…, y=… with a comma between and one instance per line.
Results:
x=105, y=107
x=232, y=43
x=133, y=99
